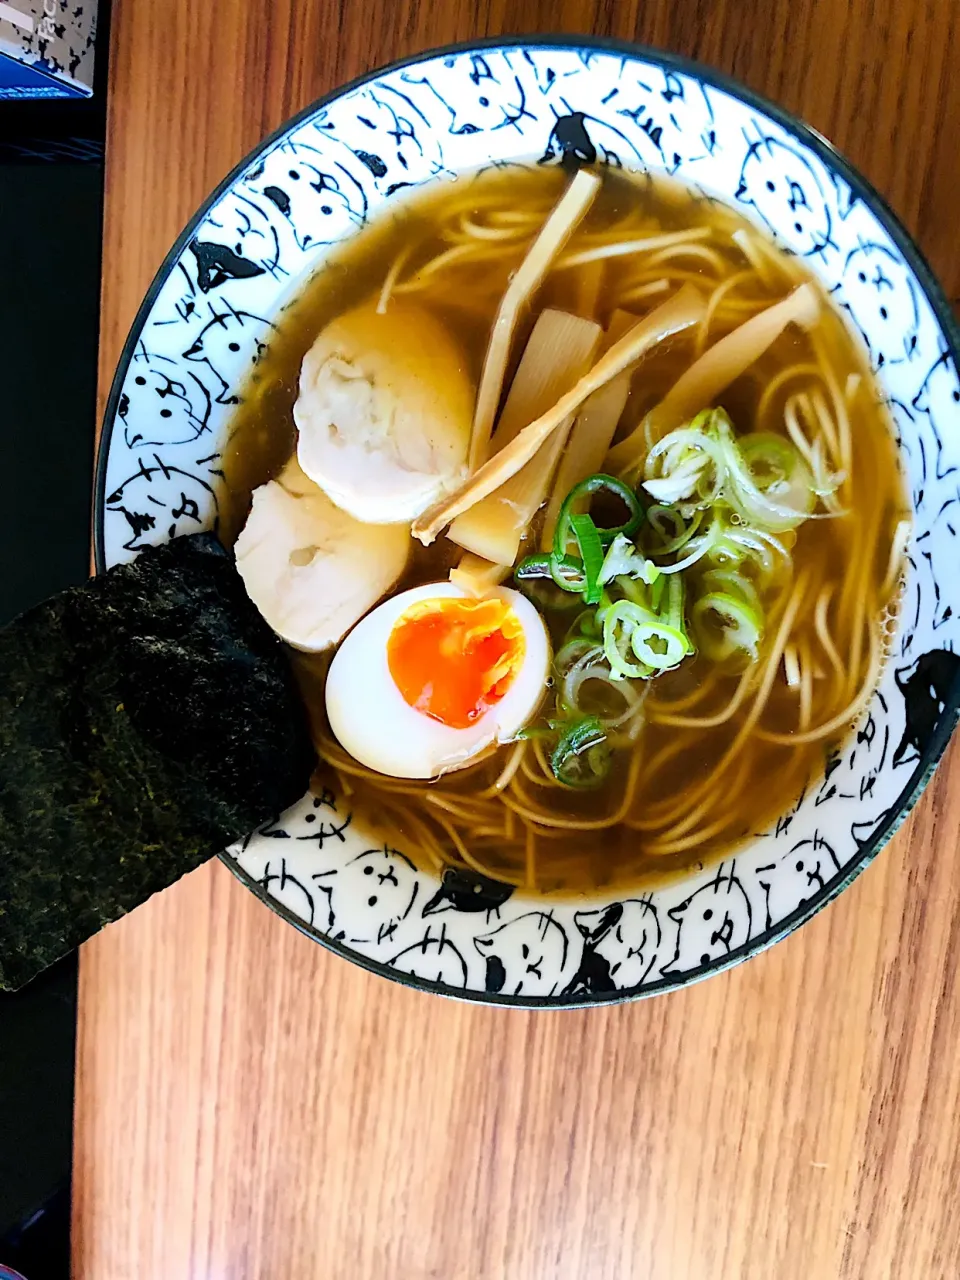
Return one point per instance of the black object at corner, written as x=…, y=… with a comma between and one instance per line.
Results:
x=36, y=1116
x=51, y=196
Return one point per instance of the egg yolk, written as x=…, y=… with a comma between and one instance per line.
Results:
x=454, y=659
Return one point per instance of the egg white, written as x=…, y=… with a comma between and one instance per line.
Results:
x=371, y=720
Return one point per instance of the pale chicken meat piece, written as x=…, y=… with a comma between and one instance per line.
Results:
x=311, y=569
x=385, y=412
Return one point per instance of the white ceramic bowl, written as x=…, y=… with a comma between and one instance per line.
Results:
x=207, y=315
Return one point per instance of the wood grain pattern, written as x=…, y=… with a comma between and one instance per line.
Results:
x=251, y=1108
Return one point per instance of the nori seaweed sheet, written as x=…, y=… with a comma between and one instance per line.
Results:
x=147, y=719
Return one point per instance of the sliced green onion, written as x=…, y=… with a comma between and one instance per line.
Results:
x=535, y=580
x=567, y=572
x=688, y=465
x=587, y=489
x=591, y=552
x=636, y=591
x=770, y=458
x=624, y=560
x=761, y=476
x=618, y=627
x=532, y=567
x=700, y=546
x=739, y=542
x=682, y=532
x=785, y=498
x=734, y=584
x=592, y=668
x=740, y=627
x=658, y=646
x=584, y=627
x=587, y=659
x=657, y=513
x=581, y=758
x=674, y=610
x=570, y=654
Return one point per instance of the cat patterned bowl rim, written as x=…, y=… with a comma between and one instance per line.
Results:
x=207, y=314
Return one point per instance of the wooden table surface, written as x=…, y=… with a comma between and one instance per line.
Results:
x=249, y=1105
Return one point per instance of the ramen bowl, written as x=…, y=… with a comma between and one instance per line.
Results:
x=211, y=311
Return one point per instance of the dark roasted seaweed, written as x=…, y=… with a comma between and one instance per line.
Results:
x=147, y=719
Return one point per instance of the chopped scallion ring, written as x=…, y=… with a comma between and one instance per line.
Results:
x=591, y=552
x=724, y=625
x=588, y=489
x=581, y=758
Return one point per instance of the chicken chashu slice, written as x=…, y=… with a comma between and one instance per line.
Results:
x=310, y=568
x=385, y=412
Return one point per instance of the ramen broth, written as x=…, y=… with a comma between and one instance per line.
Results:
x=721, y=753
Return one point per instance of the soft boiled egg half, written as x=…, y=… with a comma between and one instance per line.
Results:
x=434, y=677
